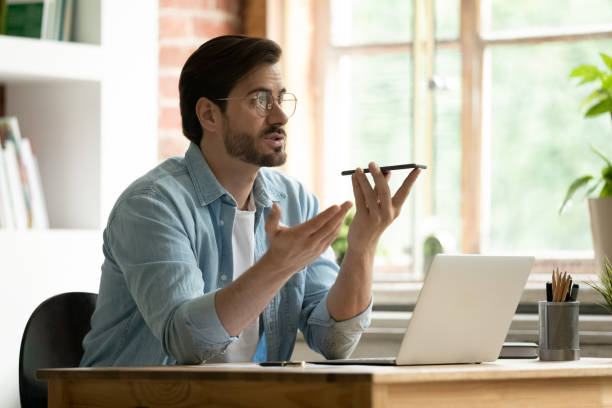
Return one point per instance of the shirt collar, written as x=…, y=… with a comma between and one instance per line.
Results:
x=207, y=186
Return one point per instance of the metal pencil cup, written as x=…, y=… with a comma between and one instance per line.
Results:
x=559, y=338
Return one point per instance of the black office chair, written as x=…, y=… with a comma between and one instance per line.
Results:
x=52, y=338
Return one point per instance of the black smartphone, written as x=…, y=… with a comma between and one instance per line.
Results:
x=385, y=169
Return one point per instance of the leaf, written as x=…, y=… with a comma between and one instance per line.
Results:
x=572, y=189
x=598, y=94
x=607, y=59
x=587, y=72
x=599, y=108
x=606, y=191
x=606, y=174
x=591, y=190
x=600, y=154
x=605, y=277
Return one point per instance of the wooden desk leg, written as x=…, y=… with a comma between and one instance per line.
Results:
x=56, y=394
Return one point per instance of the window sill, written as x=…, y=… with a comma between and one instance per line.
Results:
x=403, y=295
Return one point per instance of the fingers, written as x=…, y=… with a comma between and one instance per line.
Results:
x=345, y=207
x=402, y=193
x=366, y=190
x=360, y=202
x=315, y=223
x=327, y=240
x=332, y=224
x=381, y=187
x=273, y=219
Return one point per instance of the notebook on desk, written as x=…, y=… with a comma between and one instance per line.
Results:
x=463, y=312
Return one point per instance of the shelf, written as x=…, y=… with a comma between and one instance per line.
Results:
x=26, y=59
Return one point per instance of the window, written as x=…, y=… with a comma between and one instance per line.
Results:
x=479, y=91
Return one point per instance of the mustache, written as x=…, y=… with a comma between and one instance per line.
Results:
x=274, y=129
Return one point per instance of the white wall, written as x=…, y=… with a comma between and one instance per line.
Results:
x=34, y=267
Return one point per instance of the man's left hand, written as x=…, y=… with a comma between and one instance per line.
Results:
x=376, y=209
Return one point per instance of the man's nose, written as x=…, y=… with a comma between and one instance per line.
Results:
x=277, y=116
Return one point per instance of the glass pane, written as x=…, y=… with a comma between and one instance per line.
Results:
x=446, y=169
x=368, y=22
x=447, y=19
x=372, y=115
x=504, y=15
x=540, y=144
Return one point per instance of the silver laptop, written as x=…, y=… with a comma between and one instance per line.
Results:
x=463, y=312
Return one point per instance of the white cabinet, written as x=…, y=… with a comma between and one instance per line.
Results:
x=90, y=111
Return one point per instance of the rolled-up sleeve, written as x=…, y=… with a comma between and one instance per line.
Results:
x=151, y=247
x=323, y=334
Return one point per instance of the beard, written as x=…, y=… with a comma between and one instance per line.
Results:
x=242, y=146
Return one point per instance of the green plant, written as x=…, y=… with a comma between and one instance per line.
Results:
x=605, y=290
x=340, y=244
x=597, y=103
x=431, y=247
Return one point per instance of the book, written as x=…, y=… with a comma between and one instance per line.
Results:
x=86, y=21
x=519, y=350
x=65, y=33
x=52, y=20
x=40, y=219
x=20, y=213
x=2, y=16
x=10, y=139
x=6, y=207
x=23, y=18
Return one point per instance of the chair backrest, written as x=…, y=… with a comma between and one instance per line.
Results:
x=52, y=338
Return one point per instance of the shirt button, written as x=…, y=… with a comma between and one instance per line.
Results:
x=221, y=223
x=223, y=277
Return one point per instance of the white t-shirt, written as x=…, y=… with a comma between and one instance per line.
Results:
x=243, y=248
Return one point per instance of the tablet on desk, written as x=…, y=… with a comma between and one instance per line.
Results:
x=463, y=312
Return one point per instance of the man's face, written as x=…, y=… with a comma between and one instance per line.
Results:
x=249, y=136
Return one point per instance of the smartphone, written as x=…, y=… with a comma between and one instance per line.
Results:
x=385, y=169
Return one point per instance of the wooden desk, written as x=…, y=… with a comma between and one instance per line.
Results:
x=515, y=383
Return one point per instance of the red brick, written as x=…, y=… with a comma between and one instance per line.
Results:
x=173, y=26
x=207, y=28
x=229, y=6
x=185, y=4
x=173, y=56
x=170, y=118
x=168, y=87
x=172, y=146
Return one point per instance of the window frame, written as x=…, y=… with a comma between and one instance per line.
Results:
x=472, y=44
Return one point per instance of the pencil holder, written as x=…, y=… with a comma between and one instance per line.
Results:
x=559, y=337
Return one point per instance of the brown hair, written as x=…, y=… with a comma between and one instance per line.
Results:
x=213, y=70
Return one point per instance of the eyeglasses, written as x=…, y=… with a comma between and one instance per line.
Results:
x=263, y=101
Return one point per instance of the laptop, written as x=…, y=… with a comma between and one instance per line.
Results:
x=463, y=312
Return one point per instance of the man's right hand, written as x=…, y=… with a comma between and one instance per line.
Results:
x=292, y=248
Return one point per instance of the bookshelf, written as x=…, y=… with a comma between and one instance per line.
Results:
x=90, y=110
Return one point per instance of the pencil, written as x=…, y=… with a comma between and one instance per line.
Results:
x=554, y=285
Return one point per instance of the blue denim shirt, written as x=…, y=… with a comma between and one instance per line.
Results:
x=168, y=249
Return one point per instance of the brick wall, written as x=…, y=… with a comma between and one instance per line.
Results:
x=183, y=26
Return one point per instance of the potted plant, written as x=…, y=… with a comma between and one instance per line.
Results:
x=599, y=102
x=605, y=290
x=340, y=244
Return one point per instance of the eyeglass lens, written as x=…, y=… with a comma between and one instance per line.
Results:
x=265, y=101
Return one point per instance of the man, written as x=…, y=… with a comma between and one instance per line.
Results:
x=215, y=257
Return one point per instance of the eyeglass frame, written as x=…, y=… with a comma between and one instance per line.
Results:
x=267, y=108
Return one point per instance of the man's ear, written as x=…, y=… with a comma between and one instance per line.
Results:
x=208, y=113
